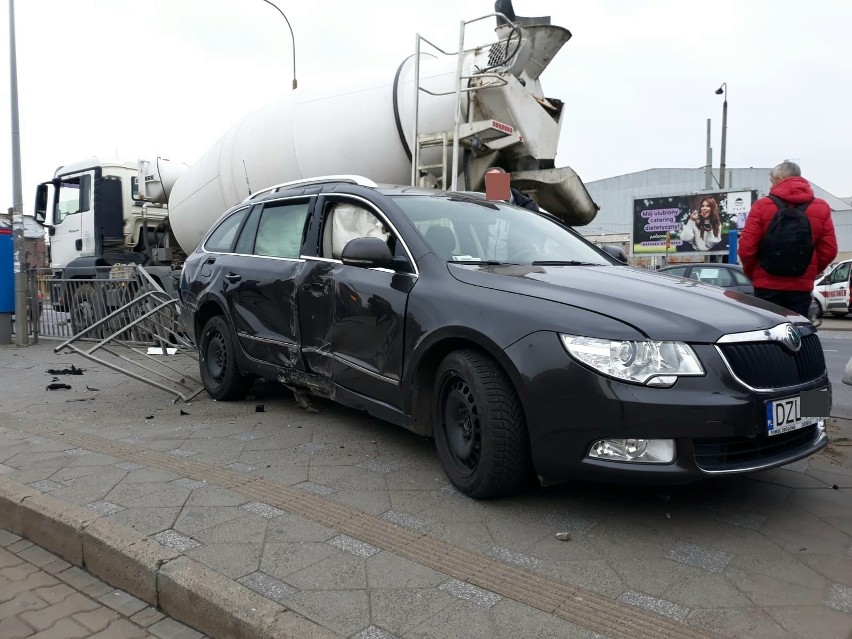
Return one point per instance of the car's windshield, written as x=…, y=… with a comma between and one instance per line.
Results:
x=462, y=230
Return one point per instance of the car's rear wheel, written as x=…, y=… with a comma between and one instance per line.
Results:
x=480, y=431
x=218, y=362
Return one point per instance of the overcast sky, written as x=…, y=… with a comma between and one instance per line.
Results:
x=168, y=77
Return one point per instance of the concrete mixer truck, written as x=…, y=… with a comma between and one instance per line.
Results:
x=440, y=121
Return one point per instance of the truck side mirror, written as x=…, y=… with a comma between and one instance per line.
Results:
x=367, y=252
x=40, y=213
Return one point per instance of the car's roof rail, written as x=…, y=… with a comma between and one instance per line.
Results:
x=349, y=179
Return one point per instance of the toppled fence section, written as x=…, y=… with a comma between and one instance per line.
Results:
x=130, y=325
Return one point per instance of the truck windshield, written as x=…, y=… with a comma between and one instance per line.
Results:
x=469, y=230
x=73, y=196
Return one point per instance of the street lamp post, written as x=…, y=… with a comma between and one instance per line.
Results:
x=723, y=89
x=292, y=37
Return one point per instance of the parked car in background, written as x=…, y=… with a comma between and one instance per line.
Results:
x=729, y=276
x=831, y=290
x=523, y=349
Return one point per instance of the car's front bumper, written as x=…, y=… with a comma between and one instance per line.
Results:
x=718, y=425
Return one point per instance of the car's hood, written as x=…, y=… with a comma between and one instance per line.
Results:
x=660, y=306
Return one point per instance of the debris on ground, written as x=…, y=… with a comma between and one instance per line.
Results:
x=58, y=387
x=303, y=399
x=66, y=371
x=183, y=412
x=563, y=536
x=91, y=389
x=259, y=408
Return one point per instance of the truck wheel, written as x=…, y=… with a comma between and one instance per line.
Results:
x=218, y=362
x=479, y=426
x=85, y=310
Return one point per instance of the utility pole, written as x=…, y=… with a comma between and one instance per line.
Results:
x=723, y=89
x=22, y=326
x=708, y=165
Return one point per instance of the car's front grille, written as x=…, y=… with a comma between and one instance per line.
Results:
x=733, y=453
x=769, y=365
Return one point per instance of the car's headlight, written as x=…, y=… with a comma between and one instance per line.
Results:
x=647, y=362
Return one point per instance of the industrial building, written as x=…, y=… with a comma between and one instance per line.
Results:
x=617, y=197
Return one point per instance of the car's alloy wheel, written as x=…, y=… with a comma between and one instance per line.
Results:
x=480, y=432
x=218, y=362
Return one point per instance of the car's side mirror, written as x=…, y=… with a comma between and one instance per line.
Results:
x=615, y=251
x=367, y=252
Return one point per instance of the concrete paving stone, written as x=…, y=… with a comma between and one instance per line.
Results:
x=347, y=478
x=284, y=559
x=474, y=621
x=471, y=593
x=340, y=571
x=84, y=582
x=374, y=632
x=399, y=610
x=550, y=548
x=840, y=477
x=354, y=546
x=405, y=520
x=168, y=495
x=435, y=507
x=383, y=464
x=766, y=591
x=129, y=466
x=18, y=546
x=20, y=602
x=342, y=611
x=37, y=556
x=214, y=496
x=387, y=570
x=806, y=535
x=269, y=587
x=788, y=479
x=813, y=622
x=147, y=616
x=147, y=521
x=241, y=467
x=469, y=536
x=752, y=623
x=654, y=604
x=232, y=559
x=182, y=452
x=5, y=470
x=750, y=521
x=7, y=538
x=55, y=460
x=595, y=575
x=791, y=569
x=122, y=629
x=149, y=475
x=316, y=489
x=122, y=602
x=512, y=557
x=54, y=594
x=615, y=539
x=700, y=557
x=105, y=507
x=45, y=618
x=96, y=620
x=46, y=486
x=31, y=475
x=263, y=510
x=841, y=523
x=9, y=558
x=171, y=629
x=175, y=540
x=126, y=493
x=840, y=598
x=292, y=528
x=373, y=502
x=63, y=629
x=191, y=484
x=248, y=529
x=515, y=620
x=248, y=436
x=702, y=589
x=14, y=628
x=193, y=520
x=823, y=502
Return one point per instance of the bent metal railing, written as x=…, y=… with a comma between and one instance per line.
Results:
x=132, y=326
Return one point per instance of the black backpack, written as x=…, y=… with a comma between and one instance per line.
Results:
x=788, y=244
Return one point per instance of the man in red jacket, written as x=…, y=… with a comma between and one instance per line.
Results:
x=793, y=293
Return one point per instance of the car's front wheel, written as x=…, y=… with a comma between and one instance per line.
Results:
x=479, y=426
x=217, y=359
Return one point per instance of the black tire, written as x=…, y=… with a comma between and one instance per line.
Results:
x=217, y=360
x=86, y=309
x=479, y=427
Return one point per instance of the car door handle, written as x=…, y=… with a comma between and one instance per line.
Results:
x=233, y=277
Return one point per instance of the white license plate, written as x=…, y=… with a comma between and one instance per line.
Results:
x=784, y=415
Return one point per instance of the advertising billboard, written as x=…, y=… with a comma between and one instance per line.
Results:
x=698, y=223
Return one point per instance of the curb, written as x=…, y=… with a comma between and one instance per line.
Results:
x=183, y=588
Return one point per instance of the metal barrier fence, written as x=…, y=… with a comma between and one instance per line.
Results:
x=121, y=319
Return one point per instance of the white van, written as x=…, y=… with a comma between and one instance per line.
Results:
x=831, y=291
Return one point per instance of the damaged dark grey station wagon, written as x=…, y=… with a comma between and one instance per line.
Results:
x=520, y=347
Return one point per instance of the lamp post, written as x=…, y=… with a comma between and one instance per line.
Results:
x=723, y=90
x=292, y=37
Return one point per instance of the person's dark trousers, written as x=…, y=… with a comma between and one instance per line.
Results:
x=798, y=301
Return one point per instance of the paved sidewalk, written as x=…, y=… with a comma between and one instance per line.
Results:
x=44, y=597
x=349, y=524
